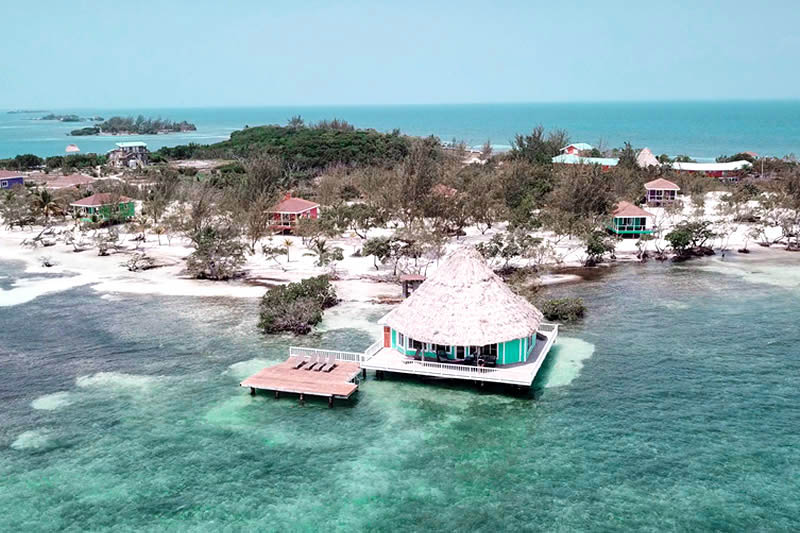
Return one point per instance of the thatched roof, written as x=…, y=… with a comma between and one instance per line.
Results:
x=464, y=303
x=646, y=159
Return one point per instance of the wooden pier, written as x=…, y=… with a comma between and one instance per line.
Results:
x=286, y=378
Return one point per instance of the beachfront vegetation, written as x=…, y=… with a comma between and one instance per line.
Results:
x=296, y=307
x=563, y=310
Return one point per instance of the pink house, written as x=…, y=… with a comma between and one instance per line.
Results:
x=288, y=211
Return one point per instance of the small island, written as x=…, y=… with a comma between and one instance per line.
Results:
x=135, y=126
x=63, y=118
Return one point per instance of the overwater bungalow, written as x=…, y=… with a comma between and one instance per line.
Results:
x=462, y=323
x=630, y=221
x=661, y=192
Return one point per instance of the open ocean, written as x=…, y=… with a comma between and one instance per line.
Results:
x=700, y=129
x=674, y=406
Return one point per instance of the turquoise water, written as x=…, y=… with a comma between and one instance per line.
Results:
x=700, y=129
x=674, y=406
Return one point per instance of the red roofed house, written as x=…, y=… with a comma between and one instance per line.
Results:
x=629, y=220
x=103, y=207
x=661, y=192
x=288, y=211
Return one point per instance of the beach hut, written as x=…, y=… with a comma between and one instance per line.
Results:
x=103, y=207
x=10, y=179
x=288, y=211
x=629, y=220
x=464, y=313
x=661, y=192
x=645, y=159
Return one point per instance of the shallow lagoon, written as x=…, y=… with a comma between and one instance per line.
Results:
x=673, y=406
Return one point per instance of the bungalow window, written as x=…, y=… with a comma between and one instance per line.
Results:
x=401, y=340
x=459, y=352
x=416, y=345
x=489, y=349
x=4, y=184
x=441, y=348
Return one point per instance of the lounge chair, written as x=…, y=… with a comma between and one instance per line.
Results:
x=323, y=362
x=304, y=360
x=315, y=360
x=331, y=362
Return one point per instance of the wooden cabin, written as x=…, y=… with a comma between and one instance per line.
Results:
x=288, y=211
x=661, y=192
x=103, y=207
x=630, y=221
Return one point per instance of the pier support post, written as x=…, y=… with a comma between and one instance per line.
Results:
x=364, y=373
x=252, y=391
x=301, y=398
x=277, y=394
x=330, y=401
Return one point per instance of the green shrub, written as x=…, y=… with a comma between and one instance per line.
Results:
x=564, y=309
x=296, y=307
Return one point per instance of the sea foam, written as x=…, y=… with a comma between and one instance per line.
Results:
x=28, y=289
x=51, y=402
x=569, y=356
x=31, y=440
x=116, y=379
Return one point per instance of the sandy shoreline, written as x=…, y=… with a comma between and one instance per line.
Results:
x=358, y=280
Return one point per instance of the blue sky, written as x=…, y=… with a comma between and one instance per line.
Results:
x=200, y=53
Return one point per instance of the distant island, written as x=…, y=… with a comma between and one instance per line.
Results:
x=68, y=118
x=26, y=111
x=135, y=126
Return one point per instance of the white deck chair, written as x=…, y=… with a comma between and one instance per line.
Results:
x=331, y=363
x=315, y=359
x=304, y=360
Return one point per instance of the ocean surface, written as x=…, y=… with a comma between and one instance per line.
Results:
x=704, y=130
x=675, y=405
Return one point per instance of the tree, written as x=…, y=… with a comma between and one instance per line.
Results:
x=45, y=204
x=16, y=208
x=380, y=248
x=598, y=245
x=296, y=307
x=218, y=253
x=538, y=148
x=688, y=235
x=580, y=202
x=325, y=254
x=287, y=245
x=627, y=157
x=486, y=150
x=296, y=122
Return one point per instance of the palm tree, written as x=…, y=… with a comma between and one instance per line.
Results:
x=44, y=202
x=288, y=243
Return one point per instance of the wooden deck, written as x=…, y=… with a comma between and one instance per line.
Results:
x=284, y=377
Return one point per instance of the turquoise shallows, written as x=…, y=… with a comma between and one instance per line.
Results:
x=123, y=412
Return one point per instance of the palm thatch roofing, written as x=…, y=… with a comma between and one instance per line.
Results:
x=464, y=303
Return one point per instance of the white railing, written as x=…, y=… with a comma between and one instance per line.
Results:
x=301, y=351
x=374, y=348
x=546, y=326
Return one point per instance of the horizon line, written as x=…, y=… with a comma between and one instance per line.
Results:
x=40, y=109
